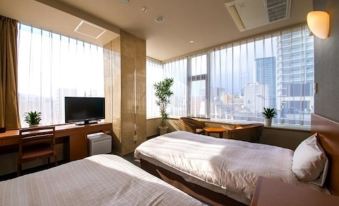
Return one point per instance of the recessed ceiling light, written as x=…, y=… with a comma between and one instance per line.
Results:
x=89, y=29
x=159, y=19
x=191, y=42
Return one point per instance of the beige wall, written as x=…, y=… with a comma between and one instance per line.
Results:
x=287, y=138
x=152, y=127
x=125, y=90
x=326, y=64
x=112, y=82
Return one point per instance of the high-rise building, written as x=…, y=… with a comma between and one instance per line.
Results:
x=295, y=76
x=265, y=75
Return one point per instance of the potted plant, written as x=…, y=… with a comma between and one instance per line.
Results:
x=163, y=93
x=269, y=113
x=33, y=118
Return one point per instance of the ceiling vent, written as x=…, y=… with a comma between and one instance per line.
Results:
x=89, y=30
x=250, y=14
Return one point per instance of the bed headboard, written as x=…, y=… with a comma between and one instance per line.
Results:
x=328, y=131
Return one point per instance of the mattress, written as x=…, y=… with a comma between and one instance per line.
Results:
x=225, y=166
x=96, y=180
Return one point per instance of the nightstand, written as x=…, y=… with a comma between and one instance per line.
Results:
x=271, y=192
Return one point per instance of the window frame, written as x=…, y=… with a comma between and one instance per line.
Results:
x=199, y=77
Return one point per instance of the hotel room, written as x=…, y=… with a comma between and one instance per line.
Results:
x=179, y=102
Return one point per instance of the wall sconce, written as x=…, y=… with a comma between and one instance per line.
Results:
x=319, y=23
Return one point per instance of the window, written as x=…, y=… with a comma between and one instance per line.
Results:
x=154, y=73
x=236, y=81
x=178, y=71
x=52, y=66
x=198, y=86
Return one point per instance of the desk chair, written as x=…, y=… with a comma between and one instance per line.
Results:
x=36, y=143
x=195, y=125
x=198, y=127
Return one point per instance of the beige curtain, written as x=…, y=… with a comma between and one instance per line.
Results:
x=9, y=115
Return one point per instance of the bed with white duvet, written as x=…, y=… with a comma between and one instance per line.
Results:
x=225, y=166
x=97, y=180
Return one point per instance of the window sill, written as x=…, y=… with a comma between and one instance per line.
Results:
x=152, y=118
x=290, y=127
x=274, y=126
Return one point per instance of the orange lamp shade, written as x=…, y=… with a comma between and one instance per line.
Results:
x=319, y=23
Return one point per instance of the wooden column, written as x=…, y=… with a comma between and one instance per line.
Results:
x=125, y=90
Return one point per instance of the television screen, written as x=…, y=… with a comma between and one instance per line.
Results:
x=84, y=109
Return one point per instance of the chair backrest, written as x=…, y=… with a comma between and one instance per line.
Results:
x=36, y=136
x=192, y=123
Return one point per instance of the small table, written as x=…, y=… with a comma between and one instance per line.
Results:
x=215, y=130
x=275, y=192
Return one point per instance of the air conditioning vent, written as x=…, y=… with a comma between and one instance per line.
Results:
x=273, y=3
x=251, y=14
x=277, y=9
x=89, y=30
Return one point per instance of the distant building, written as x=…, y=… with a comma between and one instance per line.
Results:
x=266, y=75
x=295, y=77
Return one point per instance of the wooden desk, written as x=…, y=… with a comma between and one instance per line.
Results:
x=274, y=192
x=76, y=135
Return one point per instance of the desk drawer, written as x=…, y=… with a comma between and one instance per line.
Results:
x=9, y=141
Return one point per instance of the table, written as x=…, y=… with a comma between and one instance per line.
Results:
x=215, y=130
x=75, y=135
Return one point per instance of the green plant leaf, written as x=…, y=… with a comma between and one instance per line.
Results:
x=163, y=93
x=33, y=117
x=269, y=113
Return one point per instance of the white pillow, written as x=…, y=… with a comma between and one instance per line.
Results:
x=309, y=160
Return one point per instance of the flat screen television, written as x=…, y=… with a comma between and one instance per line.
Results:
x=84, y=109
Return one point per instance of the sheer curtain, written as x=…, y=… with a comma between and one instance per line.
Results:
x=235, y=81
x=198, y=86
x=52, y=66
x=154, y=73
x=273, y=70
x=178, y=71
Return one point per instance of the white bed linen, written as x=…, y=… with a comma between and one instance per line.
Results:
x=97, y=180
x=231, y=165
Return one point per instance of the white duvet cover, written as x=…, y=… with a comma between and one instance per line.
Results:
x=97, y=180
x=233, y=166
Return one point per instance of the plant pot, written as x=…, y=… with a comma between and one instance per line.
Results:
x=163, y=130
x=268, y=122
x=33, y=125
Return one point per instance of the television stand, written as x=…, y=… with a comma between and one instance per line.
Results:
x=86, y=122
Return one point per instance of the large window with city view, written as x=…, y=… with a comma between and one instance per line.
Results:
x=236, y=81
x=49, y=65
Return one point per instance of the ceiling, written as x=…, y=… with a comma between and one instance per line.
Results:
x=36, y=14
x=206, y=22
